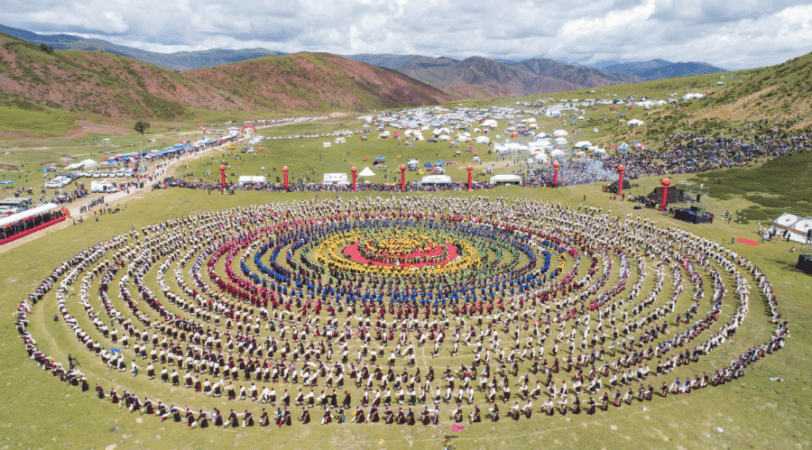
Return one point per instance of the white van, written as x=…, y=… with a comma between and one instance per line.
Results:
x=103, y=187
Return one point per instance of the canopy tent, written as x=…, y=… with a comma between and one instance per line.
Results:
x=560, y=133
x=33, y=212
x=247, y=179
x=793, y=228
x=366, y=173
x=88, y=163
x=560, y=141
x=436, y=179
x=506, y=179
x=335, y=178
x=557, y=153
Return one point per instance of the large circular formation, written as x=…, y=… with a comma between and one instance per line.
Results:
x=403, y=310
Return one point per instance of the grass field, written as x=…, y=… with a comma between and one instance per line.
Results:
x=754, y=412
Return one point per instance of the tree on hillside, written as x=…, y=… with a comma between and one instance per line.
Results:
x=141, y=126
x=46, y=48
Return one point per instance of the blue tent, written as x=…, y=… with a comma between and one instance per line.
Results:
x=6, y=182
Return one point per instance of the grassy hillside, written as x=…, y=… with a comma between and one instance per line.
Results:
x=583, y=76
x=39, y=79
x=318, y=82
x=480, y=75
x=777, y=95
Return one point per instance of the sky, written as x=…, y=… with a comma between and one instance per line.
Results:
x=732, y=34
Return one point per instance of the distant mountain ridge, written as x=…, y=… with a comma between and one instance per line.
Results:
x=124, y=88
x=474, y=76
x=658, y=69
x=484, y=77
x=171, y=61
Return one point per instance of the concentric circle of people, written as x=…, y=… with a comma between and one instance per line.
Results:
x=266, y=305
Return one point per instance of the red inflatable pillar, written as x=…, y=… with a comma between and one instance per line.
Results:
x=285, y=171
x=665, y=182
x=223, y=176
x=556, y=165
x=620, y=170
x=470, y=177
x=402, y=178
x=354, y=179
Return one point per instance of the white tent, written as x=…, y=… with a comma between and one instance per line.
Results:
x=541, y=156
x=634, y=123
x=463, y=138
x=557, y=153
x=33, y=212
x=88, y=163
x=436, y=179
x=482, y=140
x=600, y=151
x=560, y=141
x=335, y=178
x=444, y=137
x=582, y=144
x=489, y=123
x=791, y=227
x=692, y=96
x=506, y=179
x=366, y=173
x=560, y=133
x=383, y=135
x=247, y=179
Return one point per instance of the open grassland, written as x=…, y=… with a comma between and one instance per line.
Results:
x=754, y=412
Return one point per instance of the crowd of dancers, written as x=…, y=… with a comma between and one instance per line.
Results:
x=574, y=342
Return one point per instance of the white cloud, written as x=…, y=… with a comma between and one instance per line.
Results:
x=728, y=33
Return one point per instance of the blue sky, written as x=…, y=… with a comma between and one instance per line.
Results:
x=733, y=34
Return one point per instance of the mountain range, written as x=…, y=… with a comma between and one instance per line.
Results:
x=439, y=72
x=658, y=69
x=122, y=88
